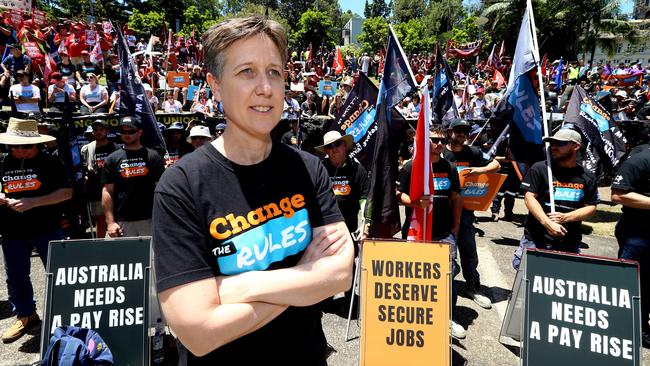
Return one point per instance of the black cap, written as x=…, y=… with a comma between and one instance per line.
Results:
x=459, y=122
x=130, y=121
x=99, y=122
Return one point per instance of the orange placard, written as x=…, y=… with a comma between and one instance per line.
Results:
x=405, y=301
x=178, y=79
x=478, y=191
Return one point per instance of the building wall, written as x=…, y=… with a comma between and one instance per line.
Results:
x=625, y=52
x=351, y=31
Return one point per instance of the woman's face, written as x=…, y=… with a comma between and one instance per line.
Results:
x=251, y=86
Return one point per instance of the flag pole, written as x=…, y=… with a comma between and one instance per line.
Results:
x=547, y=147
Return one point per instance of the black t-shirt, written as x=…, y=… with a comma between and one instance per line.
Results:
x=33, y=177
x=291, y=138
x=134, y=173
x=350, y=185
x=88, y=67
x=445, y=181
x=470, y=156
x=634, y=176
x=264, y=213
x=574, y=188
x=67, y=70
x=112, y=75
x=93, y=184
x=173, y=155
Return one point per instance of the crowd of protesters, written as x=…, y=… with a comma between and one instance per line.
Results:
x=74, y=75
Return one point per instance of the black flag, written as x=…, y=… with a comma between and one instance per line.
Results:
x=443, y=95
x=134, y=97
x=605, y=141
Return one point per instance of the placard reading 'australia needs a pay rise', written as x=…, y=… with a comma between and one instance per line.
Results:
x=580, y=311
x=405, y=303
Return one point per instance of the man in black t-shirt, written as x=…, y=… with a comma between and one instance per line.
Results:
x=575, y=192
x=631, y=188
x=447, y=205
x=112, y=72
x=88, y=67
x=469, y=160
x=349, y=178
x=33, y=184
x=93, y=156
x=294, y=137
x=129, y=179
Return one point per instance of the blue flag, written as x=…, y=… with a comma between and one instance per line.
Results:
x=520, y=106
x=382, y=211
x=558, y=76
x=134, y=97
x=443, y=95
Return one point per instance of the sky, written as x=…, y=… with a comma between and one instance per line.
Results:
x=357, y=5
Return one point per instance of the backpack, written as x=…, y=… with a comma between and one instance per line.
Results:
x=74, y=346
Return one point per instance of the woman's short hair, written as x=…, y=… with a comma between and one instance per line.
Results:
x=220, y=36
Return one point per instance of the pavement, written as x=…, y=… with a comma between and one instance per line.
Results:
x=496, y=242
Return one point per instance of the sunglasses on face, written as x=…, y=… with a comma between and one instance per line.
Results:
x=128, y=132
x=25, y=146
x=560, y=143
x=439, y=140
x=334, y=145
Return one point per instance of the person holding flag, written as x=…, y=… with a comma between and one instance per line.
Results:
x=444, y=204
x=469, y=160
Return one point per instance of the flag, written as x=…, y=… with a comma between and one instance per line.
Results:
x=96, y=54
x=382, y=212
x=559, y=70
x=520, y=106
x=489, y=60
x=421, y=176
x=495, y=59
x=465, y=50
x=47, y=69
x=134, y=97
x=605, y=142
x=443, y=94
x=502, y=50
x=498, y=77
x=338, y=65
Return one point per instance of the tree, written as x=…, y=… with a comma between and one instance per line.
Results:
x=413, y=36
x=314, y=27
x=147, y=24
x=405, y=10
x=374, y=34
x=377, y=8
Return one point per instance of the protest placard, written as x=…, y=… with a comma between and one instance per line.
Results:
x=91, y=37
x=101, y=285
x=580, y=310
x=478, y=191
x=327, y=88
x=405, y=303
x=178, y=79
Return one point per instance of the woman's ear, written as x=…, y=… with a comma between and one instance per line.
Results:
x=214, y=86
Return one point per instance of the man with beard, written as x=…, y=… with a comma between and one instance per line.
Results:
x=575, y=192
x=469, y=161
x=93, y=156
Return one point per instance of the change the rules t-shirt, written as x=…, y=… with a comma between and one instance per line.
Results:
x=213, y=217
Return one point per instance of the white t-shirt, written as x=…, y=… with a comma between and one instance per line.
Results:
x=365, y=64
x=172, y=107
x=29, y=91
x=59, y=96
x=93, y=95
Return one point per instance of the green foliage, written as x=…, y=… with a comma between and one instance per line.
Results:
x=374, y=34
x=145, y=24
x=314, y=27
x=405, y=10
x=413, y=36
x=376, y=8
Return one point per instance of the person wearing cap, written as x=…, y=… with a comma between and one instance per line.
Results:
x=291, y=106
x=469, y=160
x=480, y=108
x=60, y=95
x=171, y=105
x=67, y=69
x=75, y=43
x=153, y=99
x=247, y=213
x=447, y=205
x=112, y=72
x=93, y=97
x=631, y=188
x=294, y=137
x=199, y=136
x=575, y=193
x=93, y=156
x=24, y=95
x=220, y=129
x=33, y=184
x=16, y=60
x=176, y=144
x=129, y=177
x=364, y=62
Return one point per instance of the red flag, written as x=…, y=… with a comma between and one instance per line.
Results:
x=381, y=61
x=498, y=77
x=47, y=70
x=421, y=176
x=338, y=65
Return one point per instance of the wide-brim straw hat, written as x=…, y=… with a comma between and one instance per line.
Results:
x=23, y=132
x=333, y=136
